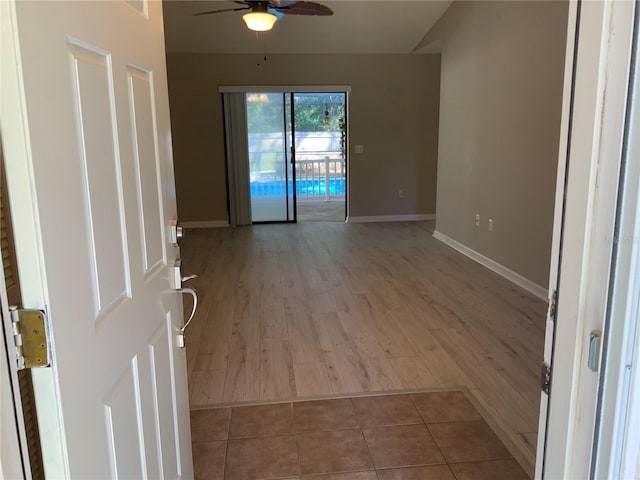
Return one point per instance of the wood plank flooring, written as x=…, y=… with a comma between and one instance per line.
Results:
x=317, y=309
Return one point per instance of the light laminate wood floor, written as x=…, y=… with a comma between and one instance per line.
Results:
x=317, y=309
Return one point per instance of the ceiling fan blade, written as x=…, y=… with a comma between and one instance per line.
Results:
x=281, y=3
x=304, y=8
x=210, y=12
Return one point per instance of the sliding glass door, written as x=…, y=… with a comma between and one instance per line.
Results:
x=286, y=156
x=270, y=162
x=320, y=145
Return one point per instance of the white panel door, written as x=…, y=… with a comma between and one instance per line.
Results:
x=97, y=135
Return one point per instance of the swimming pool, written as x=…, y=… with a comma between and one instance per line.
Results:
x=304, y=187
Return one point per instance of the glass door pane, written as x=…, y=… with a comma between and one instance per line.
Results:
x=320, y=145
x=268, y=161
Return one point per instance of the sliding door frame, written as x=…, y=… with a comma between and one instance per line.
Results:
x=293, y=89
x=292, y=153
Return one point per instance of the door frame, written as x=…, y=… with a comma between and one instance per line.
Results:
x=618, y=442
x=599, y=44
x=13, y=459
x=290, y=154
x=566, y=394
x=26, y=230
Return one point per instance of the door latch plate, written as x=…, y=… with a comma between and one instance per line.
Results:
x=594, y=350
x=176, y=232
x=553, y=305
x=30, y=338
x=545, y=378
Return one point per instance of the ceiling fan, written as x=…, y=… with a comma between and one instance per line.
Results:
x=262, y=15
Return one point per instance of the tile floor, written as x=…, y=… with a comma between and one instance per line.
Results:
x=422, y=436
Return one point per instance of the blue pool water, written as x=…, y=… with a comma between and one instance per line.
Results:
x=337, y=186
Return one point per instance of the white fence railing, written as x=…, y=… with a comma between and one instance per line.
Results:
x=315, y=177
x=320, y=165
x=324, y=177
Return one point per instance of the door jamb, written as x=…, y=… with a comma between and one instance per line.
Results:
x=617, y=443
x=601, y=78
x=26, y=229
x=14, y=459
x=573, y=19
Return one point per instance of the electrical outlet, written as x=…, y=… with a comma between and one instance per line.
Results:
x=491, y=225
x=401, y=193
x=477, y=219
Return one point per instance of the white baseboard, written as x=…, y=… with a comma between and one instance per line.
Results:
x=510, y=275
x=206, y=224
x=393, y=218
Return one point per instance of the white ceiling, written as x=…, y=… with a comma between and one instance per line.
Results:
x=357, y=26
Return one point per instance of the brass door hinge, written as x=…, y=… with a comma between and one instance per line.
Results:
x=30, y=338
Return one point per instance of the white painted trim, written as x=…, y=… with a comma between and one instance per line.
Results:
x=420, y=217
x=347, y=158
x=603, y=55
x=21, y=189
x=501, y=270
x=617, y=434
x=206, y=224
x=554, y=264
x=284, y=88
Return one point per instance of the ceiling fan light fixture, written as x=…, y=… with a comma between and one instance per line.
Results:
x=259, y=21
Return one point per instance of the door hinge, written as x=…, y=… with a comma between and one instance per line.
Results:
x=30, y=338
x=553, y=305
x=545, y=378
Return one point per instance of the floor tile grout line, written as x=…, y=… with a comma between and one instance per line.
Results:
x=364, y=437
x=373, y=465
x=426, y=425
x=291, y=404
x=295, y=437
x=437, y=444
x=510, y=457
x=224, y=463
x=226, y=446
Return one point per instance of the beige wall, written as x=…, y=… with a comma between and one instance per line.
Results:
x=500, y=104
x=393, y=114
